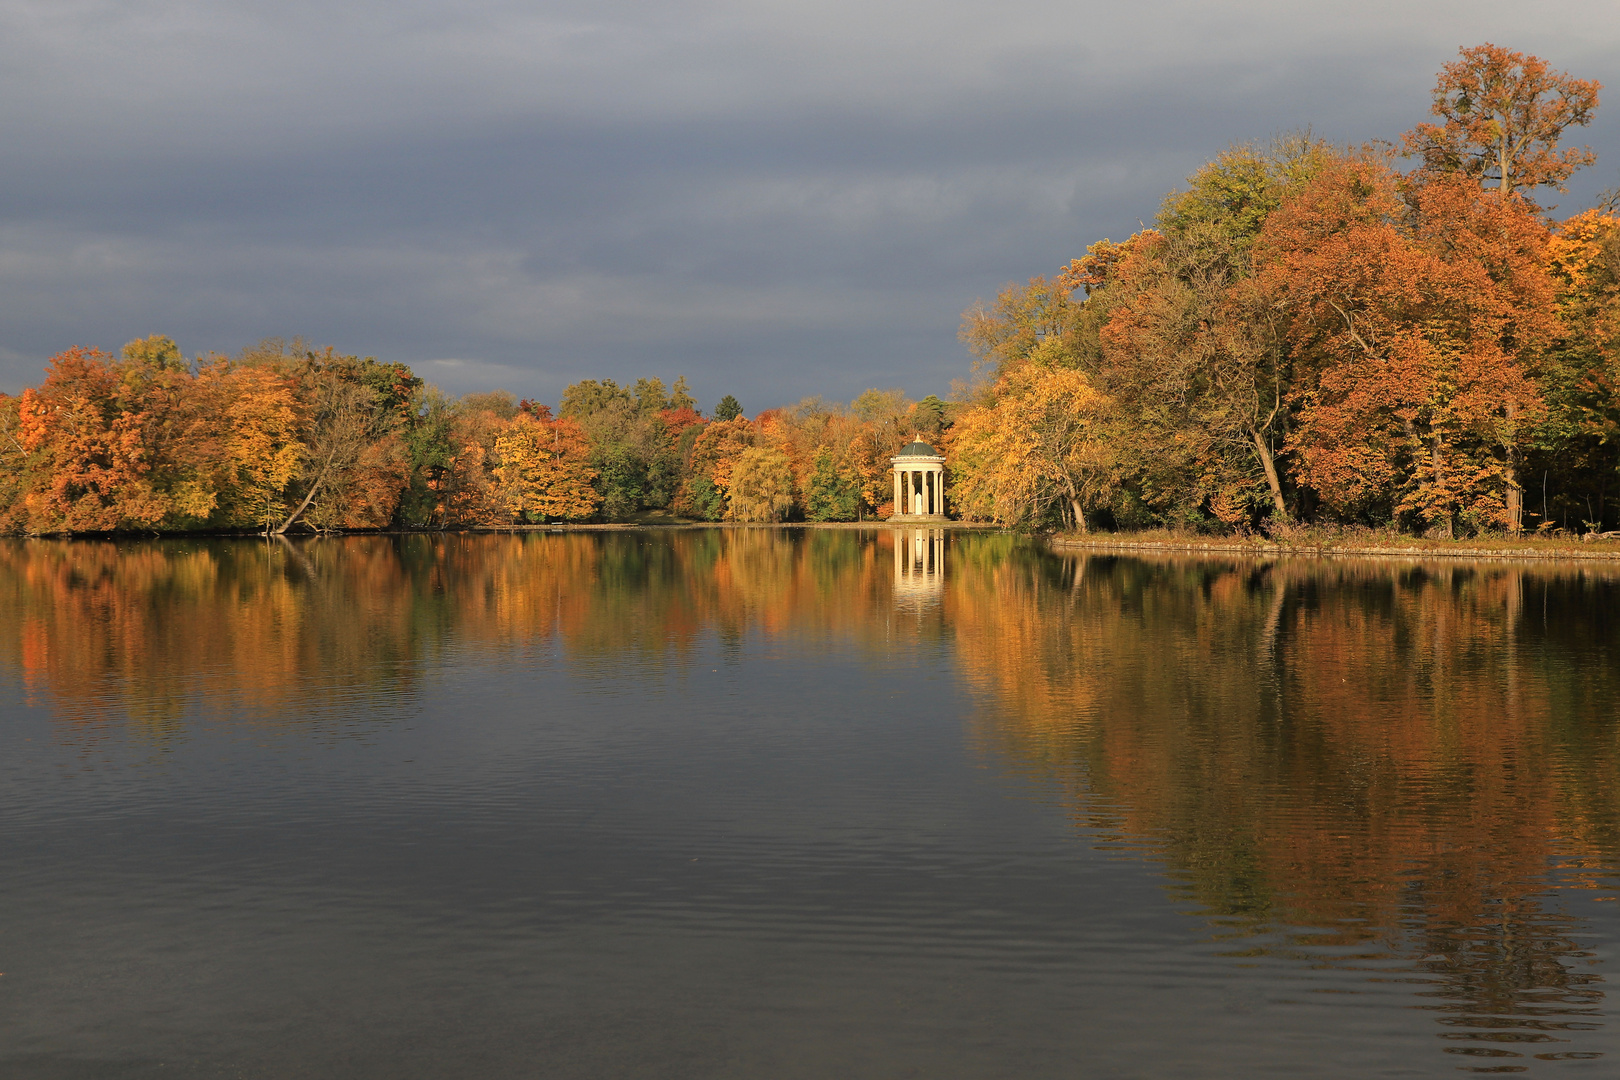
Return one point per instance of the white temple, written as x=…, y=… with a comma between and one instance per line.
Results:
x=919, y=483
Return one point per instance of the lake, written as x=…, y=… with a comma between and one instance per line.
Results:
x=801, y=803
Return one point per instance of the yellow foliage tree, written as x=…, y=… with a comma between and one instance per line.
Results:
x=261, y=448
x=544, y=469
x=1045, y=438
x=761, y=485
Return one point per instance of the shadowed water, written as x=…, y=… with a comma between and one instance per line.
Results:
x=747, y=803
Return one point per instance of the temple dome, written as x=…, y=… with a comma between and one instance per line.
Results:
x=917, y=449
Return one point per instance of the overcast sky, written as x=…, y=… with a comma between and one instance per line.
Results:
x=776, y=199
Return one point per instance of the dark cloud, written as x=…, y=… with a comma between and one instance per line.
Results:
x=776, y=200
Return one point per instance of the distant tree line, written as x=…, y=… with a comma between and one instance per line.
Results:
x=285, y=437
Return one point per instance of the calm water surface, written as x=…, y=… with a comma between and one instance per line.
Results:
x=756, y=803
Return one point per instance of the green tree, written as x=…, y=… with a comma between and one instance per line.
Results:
x=158, y=352
x=430, y=444
x=588, y=397
x=650, y=395
x=728, y=409
x=834, y=493
x=929, y=416
x=681, y=396
x=704, y=500
x=622, y=480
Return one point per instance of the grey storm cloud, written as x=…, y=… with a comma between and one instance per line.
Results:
x=775, y=199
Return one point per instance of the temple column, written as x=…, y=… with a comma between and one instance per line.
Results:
x=899, y=507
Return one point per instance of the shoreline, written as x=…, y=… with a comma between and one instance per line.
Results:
x=1413, y=548
x=1529, y=550
x=493, y=530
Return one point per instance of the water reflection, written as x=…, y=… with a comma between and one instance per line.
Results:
x=919, y=568
x=1403, y=769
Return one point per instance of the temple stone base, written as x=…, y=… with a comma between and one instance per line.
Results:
x=917, y=519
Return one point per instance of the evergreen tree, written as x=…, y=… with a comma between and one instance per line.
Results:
x=728, y=409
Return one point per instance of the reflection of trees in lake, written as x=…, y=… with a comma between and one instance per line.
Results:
x=144, y=630
x=1346, y=759
x=1355, y=754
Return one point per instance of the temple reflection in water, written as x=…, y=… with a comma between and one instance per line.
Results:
x=919, y=567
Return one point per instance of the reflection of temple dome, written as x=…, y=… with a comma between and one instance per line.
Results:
x=918, y=449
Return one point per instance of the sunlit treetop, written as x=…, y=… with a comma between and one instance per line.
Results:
x=1501, y=115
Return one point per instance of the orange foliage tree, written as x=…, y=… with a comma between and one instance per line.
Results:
x=83, y=433
x=1502, y=114
x=1417, y=328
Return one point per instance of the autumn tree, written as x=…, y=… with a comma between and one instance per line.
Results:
x=761, y=485
x=1417, y=327
x=260, y=451
x=545, y=470
x=1234, y=194
x=355, y=464
x=1189, y=347
x=706, y=489
x=81, y=435
x=1501, y=115
x=588, y=396
x=1193, y=353
x=13, y=461
x=468, y=488
x=1578, y=443
x=1045, y=441
x=1041, y=314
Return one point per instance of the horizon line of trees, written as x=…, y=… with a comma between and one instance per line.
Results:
x=284, y=437
x=1305, y=335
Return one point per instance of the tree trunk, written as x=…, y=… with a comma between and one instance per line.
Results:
x=1074, y=506
x=1515, y=490
x=309, y=498
x=1270, y=465
x=1502, y=156
x=1515, y=500
x=1440, y=484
